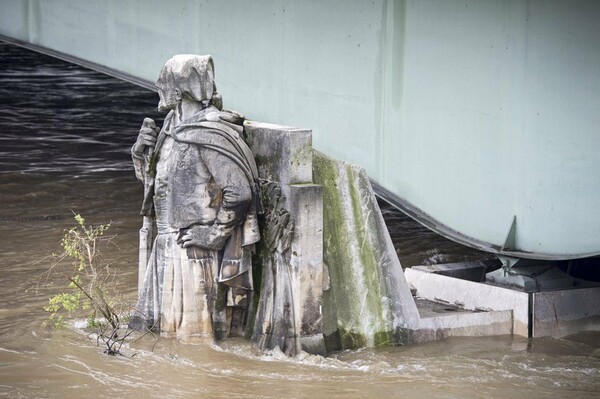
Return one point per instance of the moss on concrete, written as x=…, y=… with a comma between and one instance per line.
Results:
x=354, y=311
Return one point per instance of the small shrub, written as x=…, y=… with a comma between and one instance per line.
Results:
x=91, y=289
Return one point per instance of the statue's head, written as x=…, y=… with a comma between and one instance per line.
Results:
x=190, y=76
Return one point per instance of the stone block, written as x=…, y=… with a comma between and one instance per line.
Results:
x=283, y=154
x=564, y=312
x=289, y=308
x=472, y=296
x=473, y=324
x=306, y=257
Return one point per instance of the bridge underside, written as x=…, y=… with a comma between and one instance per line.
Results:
x=478, y=119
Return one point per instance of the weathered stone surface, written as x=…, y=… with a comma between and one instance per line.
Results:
x=306, y=257
x=288, y=313
x=463, y=325
x=564, y=312
x=283, y=154
x=369, y=301
x=199, y=188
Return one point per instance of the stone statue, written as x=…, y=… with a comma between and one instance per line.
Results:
x=200, y=190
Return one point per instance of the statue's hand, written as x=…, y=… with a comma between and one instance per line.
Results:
x=201, y=236
x=146, y=137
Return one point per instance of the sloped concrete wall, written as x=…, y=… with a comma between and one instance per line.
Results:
x=369, y=302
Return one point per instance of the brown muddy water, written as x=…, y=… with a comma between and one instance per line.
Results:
x=64, y=145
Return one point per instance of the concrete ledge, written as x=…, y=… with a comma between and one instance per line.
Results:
x=475, y=324
x=472, y=271
x=471, y=295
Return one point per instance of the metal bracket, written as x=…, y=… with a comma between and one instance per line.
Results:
x=510, y=241
x=507, y=263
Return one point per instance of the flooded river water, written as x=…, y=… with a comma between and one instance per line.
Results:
x=64, y=149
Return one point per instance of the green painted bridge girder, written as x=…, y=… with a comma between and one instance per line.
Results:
x=470, y=113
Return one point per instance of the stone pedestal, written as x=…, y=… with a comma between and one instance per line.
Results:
x=290, y=253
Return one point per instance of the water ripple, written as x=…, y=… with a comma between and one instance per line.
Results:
x=60, y=118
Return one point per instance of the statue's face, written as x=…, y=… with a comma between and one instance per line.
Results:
x=167, y=100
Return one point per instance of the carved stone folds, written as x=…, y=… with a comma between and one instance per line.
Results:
x=290, y=253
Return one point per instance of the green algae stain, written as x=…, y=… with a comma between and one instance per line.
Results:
x=352, y=308
x=368, y=260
